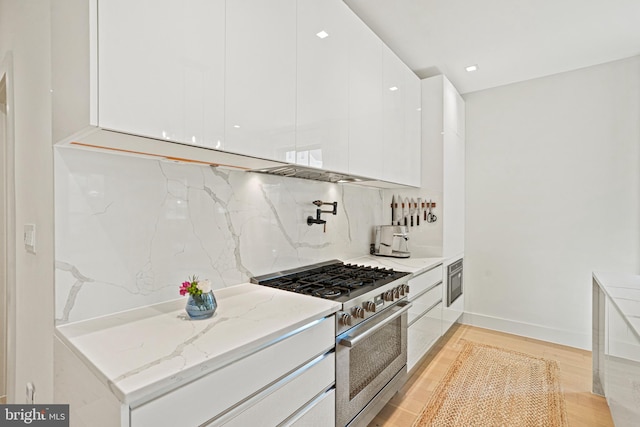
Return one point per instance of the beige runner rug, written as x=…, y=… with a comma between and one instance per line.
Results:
x=489, y=386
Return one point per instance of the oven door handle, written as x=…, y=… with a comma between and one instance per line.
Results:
x=352, y=340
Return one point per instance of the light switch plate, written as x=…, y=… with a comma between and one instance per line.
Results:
x=30, y=238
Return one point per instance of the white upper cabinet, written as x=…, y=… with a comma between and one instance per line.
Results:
x=295, y=81
x=394, y=91
x=365, y=101
x=401, y=124
x=161, y=69
x=322, y=119
x=260, y=68
x=413, y=127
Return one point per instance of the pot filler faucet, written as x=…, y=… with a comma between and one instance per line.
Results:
x=317, y=220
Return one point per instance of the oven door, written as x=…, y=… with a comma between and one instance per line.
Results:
x=370, y=357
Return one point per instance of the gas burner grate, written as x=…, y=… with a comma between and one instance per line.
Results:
x=330, y=280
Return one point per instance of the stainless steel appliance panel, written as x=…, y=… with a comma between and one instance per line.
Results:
x=368, y=358
x=454, y=282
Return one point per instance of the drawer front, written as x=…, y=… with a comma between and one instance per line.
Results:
x=200, y=401
x=321, y=413
x=295, y=393
x=419, y=283
x=423, y=334
x=424, y=302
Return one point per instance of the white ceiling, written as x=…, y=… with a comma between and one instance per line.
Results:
x=510, y=40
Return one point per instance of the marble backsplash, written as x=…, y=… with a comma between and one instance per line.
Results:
x=129, y=230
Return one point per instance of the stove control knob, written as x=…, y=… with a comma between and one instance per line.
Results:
x=406, y=289
x=346, y=319
x=370, y=306
x=396, y=293
x=401, y=290
x=358, y=312
x=388, y=296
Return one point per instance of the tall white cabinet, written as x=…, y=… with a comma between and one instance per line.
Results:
x=443, y=138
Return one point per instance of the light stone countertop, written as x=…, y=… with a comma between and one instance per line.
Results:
x=411, y=265
x=624, y=291
x=143, y=353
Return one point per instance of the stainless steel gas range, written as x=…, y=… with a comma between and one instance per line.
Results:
x=371, y=330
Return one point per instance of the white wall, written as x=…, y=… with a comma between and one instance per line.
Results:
x=552, y=195
x=25, y=34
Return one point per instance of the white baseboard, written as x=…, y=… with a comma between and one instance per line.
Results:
x=529, y=330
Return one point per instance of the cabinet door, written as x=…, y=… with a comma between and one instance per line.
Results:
x=423, y=334
x=322, y=132
x=453, y=189
x=161, y=69
x=365, y=101
x=454, y=113
x=321, y=413
x=401, y=101
x=394, y=92
x=261, y=78
x=298, y=389
x=412, y=128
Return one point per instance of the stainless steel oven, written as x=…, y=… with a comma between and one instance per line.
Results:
x=454, y=281
x=371, y=365
x=371, y=331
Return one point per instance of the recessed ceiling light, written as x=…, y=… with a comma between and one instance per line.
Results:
x=236, y=126
x=393, y=88
x=471, y=68
x=322, y=34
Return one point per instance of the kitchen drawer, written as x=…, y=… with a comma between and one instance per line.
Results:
x=296, y=391
x=421, y=282
x=205, y=398
x=320, y=413
x=424, y=302
x=423, y=334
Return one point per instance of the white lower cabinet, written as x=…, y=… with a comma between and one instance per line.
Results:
x=263, y=388
x=294, y=392
x=425, y=315
x=423, y=334
x=319, y=413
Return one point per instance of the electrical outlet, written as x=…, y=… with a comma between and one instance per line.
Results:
x=31, y=393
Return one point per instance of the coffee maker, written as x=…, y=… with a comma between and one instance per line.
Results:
x=391, y=241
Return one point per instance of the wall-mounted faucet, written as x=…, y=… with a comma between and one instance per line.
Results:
x=317, y=220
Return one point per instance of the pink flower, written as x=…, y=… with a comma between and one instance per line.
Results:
x=183, y=291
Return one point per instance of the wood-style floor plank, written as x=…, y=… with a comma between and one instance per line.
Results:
x=584, y=409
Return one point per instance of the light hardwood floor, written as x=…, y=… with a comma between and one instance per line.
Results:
x=583, y=408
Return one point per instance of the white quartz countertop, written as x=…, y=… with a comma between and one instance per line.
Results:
x=142, y=353
x=624, y=291
x=410, y=265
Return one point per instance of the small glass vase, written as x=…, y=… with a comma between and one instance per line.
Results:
x=201, y=306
